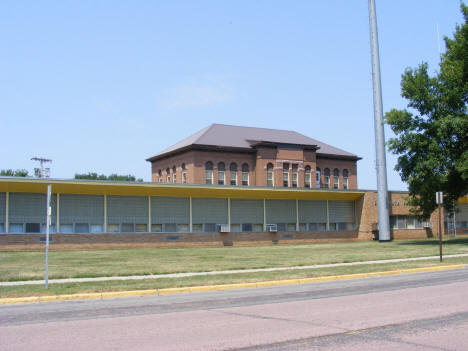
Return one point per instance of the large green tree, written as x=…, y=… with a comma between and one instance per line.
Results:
x=432, y=133
x=117, y=177
x=13, y=173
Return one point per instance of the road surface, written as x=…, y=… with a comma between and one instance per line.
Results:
x=426, y=311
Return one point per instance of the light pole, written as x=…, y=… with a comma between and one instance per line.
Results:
x=382, y=190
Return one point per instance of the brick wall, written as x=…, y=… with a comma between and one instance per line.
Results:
x=195, y=165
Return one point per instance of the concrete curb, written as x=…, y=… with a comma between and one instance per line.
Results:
x=166, y=291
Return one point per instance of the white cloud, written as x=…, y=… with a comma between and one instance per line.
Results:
x=198, y=94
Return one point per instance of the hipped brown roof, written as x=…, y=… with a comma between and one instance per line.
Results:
x=236, y=137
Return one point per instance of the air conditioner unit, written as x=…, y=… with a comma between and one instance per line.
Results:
x=427, y=224
x=223, y=228
x=273, y=228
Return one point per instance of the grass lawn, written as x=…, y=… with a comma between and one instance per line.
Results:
x=29, y=265
x=73, y=288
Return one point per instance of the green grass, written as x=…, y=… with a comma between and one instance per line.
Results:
x=73, y=288
x=29, y=265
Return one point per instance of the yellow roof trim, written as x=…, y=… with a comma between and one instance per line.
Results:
x=177, y=190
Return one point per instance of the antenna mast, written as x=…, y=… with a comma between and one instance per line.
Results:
x=41, y=172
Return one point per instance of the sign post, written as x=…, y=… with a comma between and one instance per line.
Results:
x=48, y=222
x=439, y=202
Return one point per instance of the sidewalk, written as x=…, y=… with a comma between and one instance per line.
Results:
x=193, y=274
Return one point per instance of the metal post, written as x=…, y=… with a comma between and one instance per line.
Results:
x=48, y=218
x=382, y=190
x=440, y=235
x=439, y=202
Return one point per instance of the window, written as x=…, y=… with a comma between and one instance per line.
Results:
x=33, y=227
x=405, y=222
x=209, y=172
x=317, y=178
x=307, y=177
x=294, y=175
x=245, y=174
x=140, y=228
x=345, y=179
x=160, y=180
x=336, y=178
x=233, y=173
x=247, y=227
x=270, y=176
x=174, y=176
x=160, y=173
x=286, y=174
x=168, y=179
x=286, y=179
x=221, y=173
x=184, y=174
x=326, y=178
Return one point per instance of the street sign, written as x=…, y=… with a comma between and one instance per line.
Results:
x=439, y=198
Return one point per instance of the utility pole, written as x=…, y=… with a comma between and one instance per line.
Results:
x=382, y=189
x=41, y=172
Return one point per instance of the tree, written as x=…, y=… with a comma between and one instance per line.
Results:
x=12, y=173
x=432, y=134
x=95, y=176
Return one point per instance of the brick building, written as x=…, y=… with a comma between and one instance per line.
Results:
x=235, y=155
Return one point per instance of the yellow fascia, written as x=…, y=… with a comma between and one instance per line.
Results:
x=177, y=190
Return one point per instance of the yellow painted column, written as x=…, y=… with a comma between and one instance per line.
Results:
x=297, y=215
x=149, y=214
x=105, y=213
x=7, y=212
x=229, y=213
x=57, y=219
x=190, y=214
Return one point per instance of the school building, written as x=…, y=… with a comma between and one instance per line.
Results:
x=224, y=185
x=128, y=213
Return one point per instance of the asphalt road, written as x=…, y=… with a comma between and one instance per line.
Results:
x=426, y=311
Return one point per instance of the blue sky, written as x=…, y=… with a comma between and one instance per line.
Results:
x=102, y=85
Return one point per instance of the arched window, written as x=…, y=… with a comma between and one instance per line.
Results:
x=233, y=173
x=318, y=181
x=174, y=174
x=295, y=168
x=221, y=173
x=160, y=176
x=245, y=174
x=336, y=178
x=184, y=173
x=307, y=176
x=270, y=174
x=209, y=172
x=286, y=174
x=168, y=175
x=326, y=178
x=345, y=178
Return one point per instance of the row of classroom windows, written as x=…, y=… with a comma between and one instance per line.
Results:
x=134, y=214
x=287, y=182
